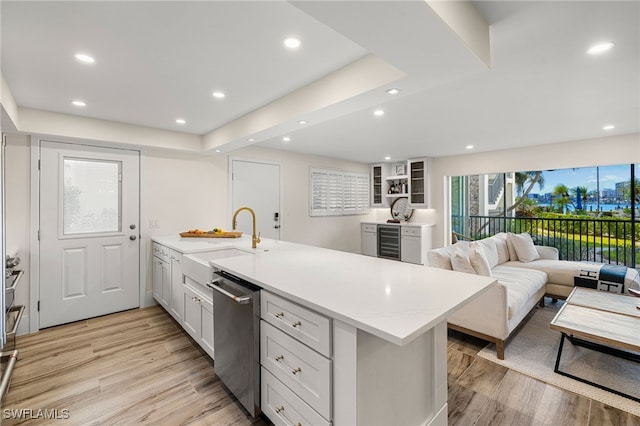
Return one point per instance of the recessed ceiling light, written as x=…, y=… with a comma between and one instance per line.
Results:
x=393, y=91
x=387, y=158
x=85, y=58
x=218, y=94
x=217, y=150
x=596, y=49
x=180, y=120
x=79, y=103
x=286, y=139
x=469, y=147
x=378, y=112
x=303, y=122
x=250, y=140
x=609, y=127
x=291, y=43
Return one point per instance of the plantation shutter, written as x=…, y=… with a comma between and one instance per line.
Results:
x=337, y=193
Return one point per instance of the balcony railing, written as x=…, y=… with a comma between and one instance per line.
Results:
x=605, y=240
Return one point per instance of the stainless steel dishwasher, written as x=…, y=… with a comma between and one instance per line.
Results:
x=236, y=337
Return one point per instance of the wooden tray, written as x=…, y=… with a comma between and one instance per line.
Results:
x=207, y=235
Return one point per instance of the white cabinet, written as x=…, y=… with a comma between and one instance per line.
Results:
x=161, y=276
x=175, y=302
x=379, y=185
x=369, y=239
x=295, y=354
x=418, y=173
x=166, y=278
x=408, y=179
x=198, y=314
x=415, y=242
x=190, y=303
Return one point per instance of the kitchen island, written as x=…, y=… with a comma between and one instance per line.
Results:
x=387, y=323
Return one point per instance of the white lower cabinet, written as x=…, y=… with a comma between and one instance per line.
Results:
x=285, y=408
x=175, y=300
x=198, y=315
x=296, y=378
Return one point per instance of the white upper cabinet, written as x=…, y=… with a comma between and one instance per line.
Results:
x=418, y=173
x=406, y=179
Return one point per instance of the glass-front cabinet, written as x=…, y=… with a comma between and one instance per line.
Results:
x=379, y=173
x=418, y=170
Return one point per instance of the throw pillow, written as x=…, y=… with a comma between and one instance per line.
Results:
x=439, y=259
x=501, y=247
x=512, y=251
x=460, y=262
x=479, y=261
x=489, y=250
x=523, y=244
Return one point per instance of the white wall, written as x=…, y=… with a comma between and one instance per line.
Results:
x=623, y=149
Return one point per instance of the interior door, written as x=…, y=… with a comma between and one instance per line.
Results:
x=257, y=185
x=89, y=231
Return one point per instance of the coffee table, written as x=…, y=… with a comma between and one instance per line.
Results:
x=602, y=321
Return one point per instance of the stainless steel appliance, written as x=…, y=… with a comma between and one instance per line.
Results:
x=236, y=337
x=389, y=241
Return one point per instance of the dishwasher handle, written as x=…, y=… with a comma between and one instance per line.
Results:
x=242, y=300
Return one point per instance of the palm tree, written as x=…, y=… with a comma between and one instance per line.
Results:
x=530, y=179
x=562, y=197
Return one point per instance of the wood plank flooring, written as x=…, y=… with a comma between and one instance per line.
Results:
x=140, y=367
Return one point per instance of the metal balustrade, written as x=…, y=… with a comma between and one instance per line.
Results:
x=606, y=240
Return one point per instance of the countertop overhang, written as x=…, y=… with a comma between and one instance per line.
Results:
x=392, y=300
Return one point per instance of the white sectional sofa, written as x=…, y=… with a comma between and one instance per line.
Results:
x=525, y=273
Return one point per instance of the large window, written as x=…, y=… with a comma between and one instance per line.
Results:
x=589, y=213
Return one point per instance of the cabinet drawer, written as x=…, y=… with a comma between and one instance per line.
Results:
x=160, y=251
x=304, y=371
x=414, y=231
x=369, y=227
x=283, y=407
x=310, y=328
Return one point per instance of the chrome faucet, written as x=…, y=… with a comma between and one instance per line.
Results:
x=255, y=239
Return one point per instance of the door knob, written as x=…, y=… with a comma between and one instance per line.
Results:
x=277, y=226
x=132, y=237
x=132, y=226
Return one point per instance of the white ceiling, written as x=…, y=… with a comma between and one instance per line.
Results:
x=157, y=61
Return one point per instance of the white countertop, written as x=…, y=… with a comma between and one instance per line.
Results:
x=393, y=300
x=384, y=222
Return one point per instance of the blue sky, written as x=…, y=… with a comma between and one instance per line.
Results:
x=609, y=176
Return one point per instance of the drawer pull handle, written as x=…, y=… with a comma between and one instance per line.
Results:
x=297, y=370
x=279, y=409
x=296, y=324
x=280, y=315
x=279, y=358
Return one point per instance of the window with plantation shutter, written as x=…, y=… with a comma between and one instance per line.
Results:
x=337, y=193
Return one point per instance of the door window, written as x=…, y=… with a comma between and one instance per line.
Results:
x=92, y=200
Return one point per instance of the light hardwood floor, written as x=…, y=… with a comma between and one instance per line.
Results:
x=140, y=367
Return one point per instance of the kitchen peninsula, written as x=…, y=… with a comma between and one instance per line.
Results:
x=386, y=335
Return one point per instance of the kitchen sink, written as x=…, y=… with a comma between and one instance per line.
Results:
x=196, y=265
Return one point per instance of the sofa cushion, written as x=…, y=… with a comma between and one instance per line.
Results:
x=501, y=247
x=523, y=244
x=521, y=284
x=479, y=261
x=440, y=258
x=512, y=251
x=460, y=261
x=488, y=248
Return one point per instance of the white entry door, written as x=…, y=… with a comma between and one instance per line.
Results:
x=257, y=185
x=89, y=231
